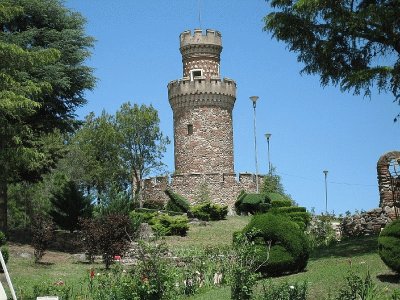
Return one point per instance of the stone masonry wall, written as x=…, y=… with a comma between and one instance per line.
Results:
x=389, y=187
x=366, y=223
x=210, y=67
x=209, y=148
x=373, y=221
x=223, y=188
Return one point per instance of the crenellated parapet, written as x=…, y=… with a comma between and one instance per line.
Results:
x=187, y=93
x=200, y=44
x=223, y=188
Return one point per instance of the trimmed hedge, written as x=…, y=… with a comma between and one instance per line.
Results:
x=289, y=250
x=252, y=203
x=167, y=225
x=208, y=211
x=176, y=202
x=389, y=245
x=291, y=209
x=281, y=203
x=279, y=197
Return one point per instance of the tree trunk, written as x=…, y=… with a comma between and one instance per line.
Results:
x=3, y=203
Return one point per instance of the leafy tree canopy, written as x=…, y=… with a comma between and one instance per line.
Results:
x=42, y=81
x=142, y=142
x=351, y=43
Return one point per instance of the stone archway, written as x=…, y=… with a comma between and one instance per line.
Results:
x=388, y=168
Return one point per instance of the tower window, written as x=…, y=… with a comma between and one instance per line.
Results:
x=197, y=73
x=190, y=129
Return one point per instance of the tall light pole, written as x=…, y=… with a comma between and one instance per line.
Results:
x=326, y=192
x=268, y=135
x=254, y=100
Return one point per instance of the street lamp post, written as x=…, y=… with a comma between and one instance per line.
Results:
x=254, y=100
x=268, y=135
x=326, y=192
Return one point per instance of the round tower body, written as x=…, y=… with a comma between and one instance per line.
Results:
x=202, y=106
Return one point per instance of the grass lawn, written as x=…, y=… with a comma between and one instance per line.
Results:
x=325, y=272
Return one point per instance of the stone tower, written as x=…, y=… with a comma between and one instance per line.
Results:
x=202, y=106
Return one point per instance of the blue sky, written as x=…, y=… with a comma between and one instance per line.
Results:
x=313, y=128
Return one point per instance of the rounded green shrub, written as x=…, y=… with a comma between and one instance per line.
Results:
x=208, y=211
x=164, y=224
x=287, y=244
x=252, y=203
x=389, y=245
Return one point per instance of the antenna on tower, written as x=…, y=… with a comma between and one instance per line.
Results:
x=199, y=2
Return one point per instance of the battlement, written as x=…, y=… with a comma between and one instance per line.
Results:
x=202, y=92
x=211, y=37
x=223, y=188
x=240, y=178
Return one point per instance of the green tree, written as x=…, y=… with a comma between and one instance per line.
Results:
x=42, y=82
x=69, y=204
x=93, y=158
x=351, y=43
x=272, y=183
x=142, y=143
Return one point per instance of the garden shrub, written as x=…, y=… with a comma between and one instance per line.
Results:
x=155, y=277
x=153, y=204
x=243, y=268
x=208, y=211
x=3, y=239
x=42, y=234
x=144, y=215
x=297, y=214
x=108, y=235
x=291, y=209
x=164, y=224
x=176, y=202
x=320, y=232
x=357, y=287
x=251, y=203
x=389, y=245
x=280, y=291
x=287, y=244
x=3, y=248
x=280, y=202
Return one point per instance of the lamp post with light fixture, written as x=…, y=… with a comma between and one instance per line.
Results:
x=254, y=100
x=268, y=136
x=326, y=192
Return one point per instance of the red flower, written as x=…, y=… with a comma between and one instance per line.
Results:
x=117, y=257
x=91, y=274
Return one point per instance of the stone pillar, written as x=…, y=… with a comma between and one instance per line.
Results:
x=389, y=187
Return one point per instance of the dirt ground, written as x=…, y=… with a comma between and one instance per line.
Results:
x=18, y=250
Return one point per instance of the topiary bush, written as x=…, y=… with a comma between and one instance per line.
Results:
x=164, y=224
x=286, y=241
x=252, y=203
x=176, y=202
x=389, y=245
x=208, y=211
x=281, y=203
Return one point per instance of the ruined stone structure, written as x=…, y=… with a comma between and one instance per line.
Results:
x=371, y=222
x=389, y=184
x=202, y=106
